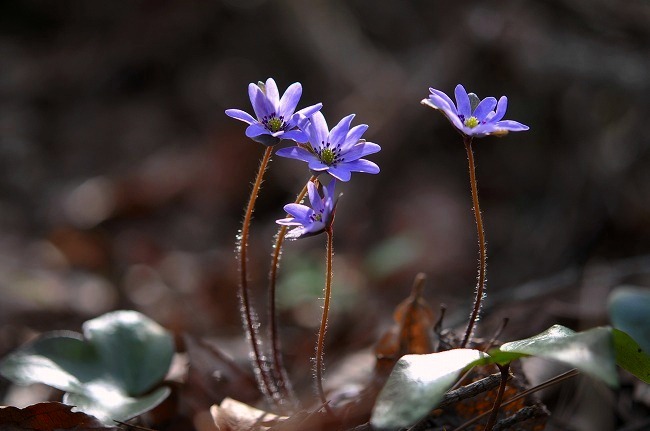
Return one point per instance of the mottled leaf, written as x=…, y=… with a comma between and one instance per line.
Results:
x=61, y=359
x=591, y=351
x=108, y=403
x=134, y=350
x=124, y=355
x=417, y=384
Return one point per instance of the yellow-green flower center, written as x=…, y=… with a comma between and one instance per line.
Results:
x=275, y=124
x=471, y=122
x=327, y=156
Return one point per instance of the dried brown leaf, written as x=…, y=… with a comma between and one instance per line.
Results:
x=412, y=332
x=50, y=416
x=233, y=415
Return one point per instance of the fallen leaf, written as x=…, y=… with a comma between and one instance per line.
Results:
x=233, y=415
x=412, y=332
x=48, y=417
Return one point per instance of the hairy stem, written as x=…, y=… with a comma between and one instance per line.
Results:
x=248, y=316
x=323, y=322
x=280, y=372
x=504, y=369
x=480, y=287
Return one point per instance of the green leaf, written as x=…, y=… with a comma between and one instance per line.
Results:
x=629, y=309
x=417, y=384
x=630, y=356
x=123, y=356
x=106, y=403
x=60, y=359
x=591, y=351
x=135, y=350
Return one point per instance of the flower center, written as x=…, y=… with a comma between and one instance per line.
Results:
x=471, y=122
x=317, y=216
x=273, y=122
x=329, y=155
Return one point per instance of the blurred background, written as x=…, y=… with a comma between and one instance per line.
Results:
x=123, y=183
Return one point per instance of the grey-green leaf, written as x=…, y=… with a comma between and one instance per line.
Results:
x=135, y=350
x=60, y=359
x=107, y=403
x=417, y=384
x=629, y=309
x=591, y=351
x=107, y=374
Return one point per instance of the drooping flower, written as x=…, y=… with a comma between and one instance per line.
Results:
x=474, y=117
x=338, y=151
x=276, y=119
x=314, y=220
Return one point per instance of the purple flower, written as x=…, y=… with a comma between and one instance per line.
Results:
x=338, y=151
x=276, y=119
x=314, y=220
x=474, y=117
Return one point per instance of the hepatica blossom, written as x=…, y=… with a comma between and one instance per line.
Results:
x=276, y=119
x=314, y=220
x=338, y=151
x=474, y=117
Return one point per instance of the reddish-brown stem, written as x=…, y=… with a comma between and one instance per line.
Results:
x=248, y=316
x=485, y=349
x=323, y=323
x=497, y=402
x=480, y=286
x=280, y=372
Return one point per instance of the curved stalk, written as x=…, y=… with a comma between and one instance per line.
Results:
x=323, y=322
x=480, y=286
x=505, y=370
x=280, y=372
x=248, y=316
